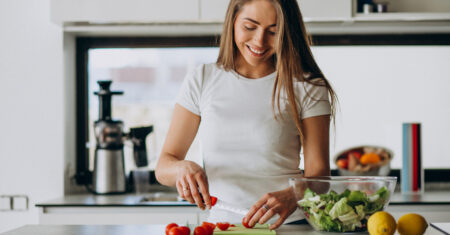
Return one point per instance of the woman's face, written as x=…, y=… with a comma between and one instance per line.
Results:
x=254, y=33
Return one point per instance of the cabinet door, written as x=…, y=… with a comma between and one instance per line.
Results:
x=326, y=9
x=118, y=215
x=114, y=11
x=213, y=10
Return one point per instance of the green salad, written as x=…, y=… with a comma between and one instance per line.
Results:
x=345, y=212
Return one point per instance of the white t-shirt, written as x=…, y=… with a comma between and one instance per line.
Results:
x=246, y=152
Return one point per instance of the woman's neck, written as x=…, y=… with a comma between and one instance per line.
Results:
x=249, y=71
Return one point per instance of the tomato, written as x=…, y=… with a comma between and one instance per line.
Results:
x=176, y=231
x=199, y=230
x=232, y=225
x=342, y=163
x=223, y=226
x=185, y=230
x=245, y=223
x=209, y=227
x=213, y=200
x=169, y=226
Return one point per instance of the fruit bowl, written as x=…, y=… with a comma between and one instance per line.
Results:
x=366, y=160
x=342, y=203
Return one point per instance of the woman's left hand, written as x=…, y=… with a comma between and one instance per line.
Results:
x=281, y=202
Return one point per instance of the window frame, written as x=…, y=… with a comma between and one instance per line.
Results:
x=83, y=176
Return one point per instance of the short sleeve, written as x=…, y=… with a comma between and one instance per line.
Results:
x=191, y=89
x=314, y=100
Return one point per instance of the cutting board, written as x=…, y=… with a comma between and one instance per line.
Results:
x=260, y=229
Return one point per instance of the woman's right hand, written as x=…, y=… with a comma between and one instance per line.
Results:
x=192, y=184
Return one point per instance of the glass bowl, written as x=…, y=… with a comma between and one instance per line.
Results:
x=342, y=203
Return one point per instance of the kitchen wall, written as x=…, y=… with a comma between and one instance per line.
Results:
x=31, y=107
x=379, y=88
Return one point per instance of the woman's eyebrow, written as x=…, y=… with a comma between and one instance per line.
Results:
x=256, y=22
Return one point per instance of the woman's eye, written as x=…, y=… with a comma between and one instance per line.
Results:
x=249, y=28
x=272, y=33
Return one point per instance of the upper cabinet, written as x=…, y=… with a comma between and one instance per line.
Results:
x=133, y=17
x=124, y=11
x=213, y=10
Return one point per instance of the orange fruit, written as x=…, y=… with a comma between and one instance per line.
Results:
x=370, y=158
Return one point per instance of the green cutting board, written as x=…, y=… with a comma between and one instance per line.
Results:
x=260, y=229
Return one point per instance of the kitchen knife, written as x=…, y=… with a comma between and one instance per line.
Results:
x=225, y=206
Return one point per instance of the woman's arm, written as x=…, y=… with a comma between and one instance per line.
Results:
x=172, y=170
x=316, y=143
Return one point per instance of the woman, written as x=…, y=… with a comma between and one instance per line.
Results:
x=254, y=109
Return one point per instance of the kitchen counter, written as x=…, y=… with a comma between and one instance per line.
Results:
x=88, y=200
x=147, y=229
x=129, y=209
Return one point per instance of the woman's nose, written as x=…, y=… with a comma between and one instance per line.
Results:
x=259, y=38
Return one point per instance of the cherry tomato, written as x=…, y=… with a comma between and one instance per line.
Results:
x=169, y=226
x=209, y=227
x=185, y=230
x=213, y=200
x=176, y=231
x=223, y=226
x=199, y=230
x=245, y=223
x=232, y=225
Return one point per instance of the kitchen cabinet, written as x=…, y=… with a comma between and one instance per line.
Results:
x=166, y=214
x=213, y=10
x=111, y=12
x=116, y=215
x=128, y=209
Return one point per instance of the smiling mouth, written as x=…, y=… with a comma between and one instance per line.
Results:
x=256, y=52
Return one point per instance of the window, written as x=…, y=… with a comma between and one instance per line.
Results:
x=150, y=72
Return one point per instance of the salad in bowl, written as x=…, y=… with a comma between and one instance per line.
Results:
x=342, y=204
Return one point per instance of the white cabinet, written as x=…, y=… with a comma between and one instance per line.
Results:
x=119, y=11
x=116, y=215
x=213, y=10
x=323, y=10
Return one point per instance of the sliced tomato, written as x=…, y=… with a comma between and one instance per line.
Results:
x=169, y=226
x=209, y=227
x=223, y=226
x=199, y=230
x=245, y=223
x=213, y=200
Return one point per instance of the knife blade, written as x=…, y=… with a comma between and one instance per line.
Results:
x=225, y=206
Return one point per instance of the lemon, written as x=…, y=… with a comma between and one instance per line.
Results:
x=381, y=223
x=411, y=224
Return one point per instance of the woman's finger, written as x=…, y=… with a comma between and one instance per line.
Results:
x=259, y=215
x=258, y=204
x=187, y=191
x=194, y=192
x=179, y=189
x=278, y=223
x=268, y=213
x=203, y=186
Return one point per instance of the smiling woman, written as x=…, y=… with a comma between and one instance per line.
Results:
x=263, y=101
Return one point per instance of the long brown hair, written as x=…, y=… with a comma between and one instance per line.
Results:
x=292, y=58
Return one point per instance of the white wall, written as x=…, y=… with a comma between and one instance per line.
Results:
x=380, y=87
x=31, y=107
